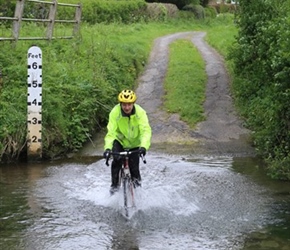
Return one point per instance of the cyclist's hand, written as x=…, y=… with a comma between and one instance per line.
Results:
x=106, y=154
x=142, y=151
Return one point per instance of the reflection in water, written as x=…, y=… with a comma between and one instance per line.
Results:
x=185, y=203
x=275, y=235
x=17, y=205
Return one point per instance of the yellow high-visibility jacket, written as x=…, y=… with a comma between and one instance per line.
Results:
x=131, y=131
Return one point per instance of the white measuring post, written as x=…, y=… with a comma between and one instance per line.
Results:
x=34, y=103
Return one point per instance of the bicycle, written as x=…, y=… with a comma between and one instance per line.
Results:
x=125, y=180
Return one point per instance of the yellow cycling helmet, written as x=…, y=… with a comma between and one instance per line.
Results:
x=127, y=96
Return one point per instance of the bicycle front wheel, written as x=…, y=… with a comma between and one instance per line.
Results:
x=128, y=192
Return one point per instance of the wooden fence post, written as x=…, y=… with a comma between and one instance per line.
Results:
x=18, y=17
x=52, y=14
x=78, y=15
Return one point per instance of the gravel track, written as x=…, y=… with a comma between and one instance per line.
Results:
x=221, y=133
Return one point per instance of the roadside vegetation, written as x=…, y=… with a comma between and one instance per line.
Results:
x=261, y=62
x=82, y=76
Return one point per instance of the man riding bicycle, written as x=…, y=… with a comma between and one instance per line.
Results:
x=128, y=128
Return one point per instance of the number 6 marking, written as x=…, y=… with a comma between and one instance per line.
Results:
x=34, y=65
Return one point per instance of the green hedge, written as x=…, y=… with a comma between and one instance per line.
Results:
x=197, y=10
x=262, y=87
x=104, y=11
x=97, y=11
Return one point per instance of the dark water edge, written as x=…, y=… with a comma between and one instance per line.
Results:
x=276, y=235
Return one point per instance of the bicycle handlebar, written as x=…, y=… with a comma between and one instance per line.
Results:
x=124, y=154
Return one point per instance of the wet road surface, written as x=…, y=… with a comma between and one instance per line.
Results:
x=185, y=202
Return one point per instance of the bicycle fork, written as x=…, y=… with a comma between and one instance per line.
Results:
x=128, y=185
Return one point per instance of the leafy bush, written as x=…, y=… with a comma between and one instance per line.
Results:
x=157, y=11
x=279, y=169
x=261, y=58
x=179, y=3
x=98, y=11
x=101, y=11
x=210, y=12
x=197, y=10
x=7, y=8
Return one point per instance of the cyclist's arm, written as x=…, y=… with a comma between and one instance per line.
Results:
x=111, y=130
x=145, y=131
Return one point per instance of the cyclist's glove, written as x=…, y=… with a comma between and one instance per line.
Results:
x=142, y=151
x=106, y=154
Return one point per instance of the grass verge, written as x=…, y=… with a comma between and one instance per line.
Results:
x=185, y=82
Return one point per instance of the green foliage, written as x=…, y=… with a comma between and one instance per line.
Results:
x=222, y=8
x=197, y=10
x=179, y=3
x=157, y=11
x=103, y=11
x=194, y=2
x=221, y=33
x=7, y=8
x=210, y=12
x=161, y=12
x=261, y=59
x=228, y=8
x=98, y=11
x=204, y=3
x=279, y=168
x=12, y=109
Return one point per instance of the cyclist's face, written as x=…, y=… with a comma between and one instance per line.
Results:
x=127, y=107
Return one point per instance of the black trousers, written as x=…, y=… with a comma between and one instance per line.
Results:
x=117, y=164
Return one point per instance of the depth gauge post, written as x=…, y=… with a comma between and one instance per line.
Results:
x=34, y=103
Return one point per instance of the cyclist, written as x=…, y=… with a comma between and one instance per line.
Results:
x=128, y=128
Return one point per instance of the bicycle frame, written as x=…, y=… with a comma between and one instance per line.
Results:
x=125, y=180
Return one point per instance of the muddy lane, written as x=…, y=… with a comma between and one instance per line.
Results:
x=186, y=202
